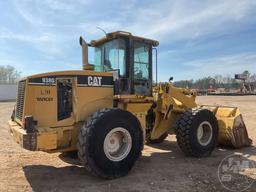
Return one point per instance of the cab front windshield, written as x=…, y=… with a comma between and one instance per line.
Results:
x=110, y=56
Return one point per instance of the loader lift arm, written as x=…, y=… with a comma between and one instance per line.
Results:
x=170, y=103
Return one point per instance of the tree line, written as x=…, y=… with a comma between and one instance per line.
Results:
x=9, y=75
x=216, y=81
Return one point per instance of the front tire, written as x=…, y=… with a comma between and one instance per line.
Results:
x=110, y=142
x=197, y=132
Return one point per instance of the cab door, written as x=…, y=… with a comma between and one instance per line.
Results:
x=142, y=68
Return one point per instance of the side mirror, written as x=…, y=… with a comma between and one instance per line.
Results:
x=170, y=79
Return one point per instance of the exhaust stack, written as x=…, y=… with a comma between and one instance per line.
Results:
x=84, y=45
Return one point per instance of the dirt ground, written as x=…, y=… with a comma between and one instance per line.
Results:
x=163, y=167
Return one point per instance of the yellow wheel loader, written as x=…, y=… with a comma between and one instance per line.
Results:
x=108, y=110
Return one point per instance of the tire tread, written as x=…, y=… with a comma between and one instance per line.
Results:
x=183, y=126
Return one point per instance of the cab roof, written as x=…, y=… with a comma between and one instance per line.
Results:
x=114, y=35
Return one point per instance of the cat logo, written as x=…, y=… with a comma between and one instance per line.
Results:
x=94, y=81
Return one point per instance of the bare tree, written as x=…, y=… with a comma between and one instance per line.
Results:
x=8, y=75
x=253, y=78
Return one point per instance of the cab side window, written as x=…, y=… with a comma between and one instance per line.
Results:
x=141, y=61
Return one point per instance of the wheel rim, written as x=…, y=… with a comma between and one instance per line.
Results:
x=117, y=144
x=204, y=133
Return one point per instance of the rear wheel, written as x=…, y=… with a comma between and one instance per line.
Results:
x=110, y=142
x=197, y=132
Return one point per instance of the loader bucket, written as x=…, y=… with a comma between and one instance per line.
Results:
x=232, y=129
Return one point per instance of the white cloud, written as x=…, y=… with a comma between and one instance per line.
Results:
x=44, y=42
x=182, y=19
x=7, y=34
x=166, y=21
x=52, y=26
x=226, y=65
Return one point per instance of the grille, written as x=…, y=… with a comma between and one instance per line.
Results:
x=20, y=99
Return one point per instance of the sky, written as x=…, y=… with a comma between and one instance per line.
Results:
x=197, y=38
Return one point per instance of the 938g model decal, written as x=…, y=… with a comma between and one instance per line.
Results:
x=51, y=80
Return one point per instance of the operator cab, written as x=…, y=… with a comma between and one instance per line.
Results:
x=131, y=57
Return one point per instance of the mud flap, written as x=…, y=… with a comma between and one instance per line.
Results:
x=29, y=141
x=232, y=129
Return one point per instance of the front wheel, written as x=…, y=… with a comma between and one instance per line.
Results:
x=110, y=142
x=197, y=132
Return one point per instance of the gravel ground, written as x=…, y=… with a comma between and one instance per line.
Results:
x=163, y=167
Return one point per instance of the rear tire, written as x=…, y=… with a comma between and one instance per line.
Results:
x=110, y=142
x=197, y=132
